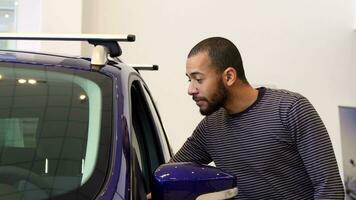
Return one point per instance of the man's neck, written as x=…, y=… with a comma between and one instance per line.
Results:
x=240, y=98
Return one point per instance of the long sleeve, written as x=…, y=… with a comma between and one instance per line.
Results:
x=194, y=149
x=315, y=148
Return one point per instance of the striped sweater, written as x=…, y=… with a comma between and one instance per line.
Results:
x=278, y=148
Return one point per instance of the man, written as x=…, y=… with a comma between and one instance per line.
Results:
x=272, y=140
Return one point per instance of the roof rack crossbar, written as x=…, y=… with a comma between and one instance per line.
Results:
x=144, y=67
x=68, y=37
x=108, y=42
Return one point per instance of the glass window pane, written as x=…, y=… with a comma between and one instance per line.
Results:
x=50, y=128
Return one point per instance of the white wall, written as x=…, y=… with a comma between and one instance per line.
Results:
x=63, y=16
x=304, y=46
x=99, y=17
x=50, y=16
x=28, y=18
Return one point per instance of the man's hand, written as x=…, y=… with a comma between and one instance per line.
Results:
x=148, y=196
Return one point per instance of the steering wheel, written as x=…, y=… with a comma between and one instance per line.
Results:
x=12, y=175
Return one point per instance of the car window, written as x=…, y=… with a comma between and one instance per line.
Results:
x=51, y=124
x=146, y=152
x=164, y=145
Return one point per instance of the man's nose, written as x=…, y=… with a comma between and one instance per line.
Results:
x=192, y=89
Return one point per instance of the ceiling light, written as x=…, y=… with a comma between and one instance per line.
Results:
x=6, y=16
x=32, y=81
x=82, y=97
x=0, y=76
x=21, y=81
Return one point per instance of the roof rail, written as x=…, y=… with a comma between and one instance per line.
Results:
x=105, y=44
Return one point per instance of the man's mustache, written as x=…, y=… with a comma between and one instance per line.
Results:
x=195, y=98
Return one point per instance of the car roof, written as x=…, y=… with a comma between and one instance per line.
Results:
x=44, y=59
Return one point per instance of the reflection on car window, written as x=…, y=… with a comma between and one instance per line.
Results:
x=50, y=124
x=18, y=132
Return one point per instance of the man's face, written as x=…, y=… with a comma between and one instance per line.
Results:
x=206, y=86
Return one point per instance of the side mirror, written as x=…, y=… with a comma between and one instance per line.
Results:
x=189, y=181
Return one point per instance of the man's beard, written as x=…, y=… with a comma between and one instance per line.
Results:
x=217, y=100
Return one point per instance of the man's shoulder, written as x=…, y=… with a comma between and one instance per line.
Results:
x=284, y=100
x=283, y=94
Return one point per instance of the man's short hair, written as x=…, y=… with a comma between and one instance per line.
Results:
x=223, y=54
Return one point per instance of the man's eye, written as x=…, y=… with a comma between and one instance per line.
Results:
x=199, y=80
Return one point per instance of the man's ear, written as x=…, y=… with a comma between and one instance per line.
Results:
x=229, y=76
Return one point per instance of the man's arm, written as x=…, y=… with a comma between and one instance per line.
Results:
x=315, y=149
x=194, y=149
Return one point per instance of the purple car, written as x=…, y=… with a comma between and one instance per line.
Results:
x=87, y=128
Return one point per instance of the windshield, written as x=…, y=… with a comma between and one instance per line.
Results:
x=51, y=127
